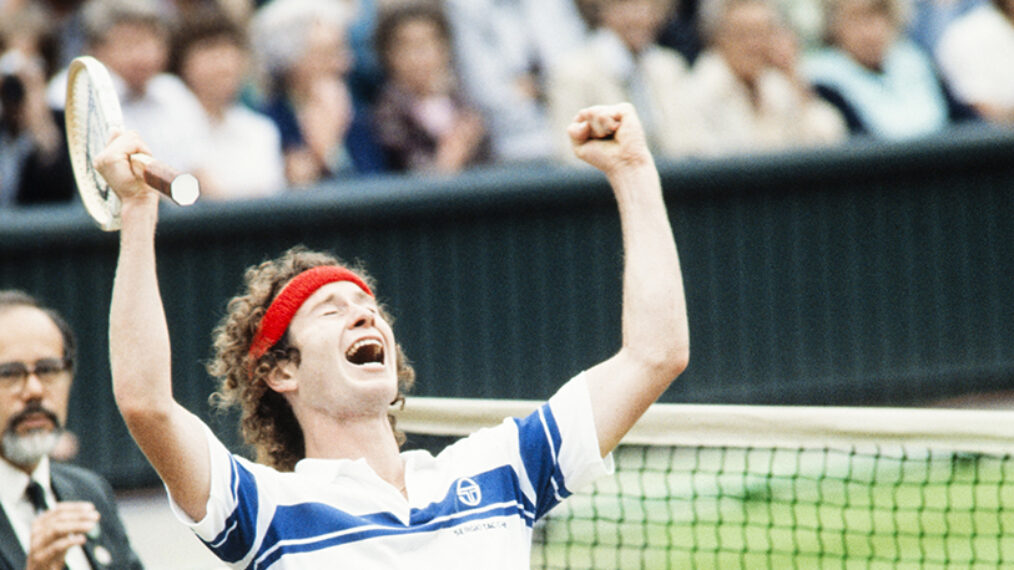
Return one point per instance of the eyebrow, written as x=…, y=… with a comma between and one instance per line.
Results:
x=359, y=296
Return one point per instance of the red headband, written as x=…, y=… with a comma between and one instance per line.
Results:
x=279, y=314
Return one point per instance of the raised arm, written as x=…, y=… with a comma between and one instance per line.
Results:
x=169, y=435
x=656, y=345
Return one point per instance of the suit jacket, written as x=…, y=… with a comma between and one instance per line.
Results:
x=111, y=549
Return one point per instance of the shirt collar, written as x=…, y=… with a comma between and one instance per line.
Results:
x=328, y=470
x=13, y=480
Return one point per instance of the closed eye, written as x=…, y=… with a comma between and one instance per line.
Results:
x=332, y=310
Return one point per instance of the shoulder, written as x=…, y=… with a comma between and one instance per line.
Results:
x=713, y=81
x=711, y=67
x=251, y=120
x=582, y=58
x=827, y=64
x=909, y=54
x=484, y=445
x=79, y=475
x=168, y=85
x=974, y=28
x=170, y=90
x=84, y=483
x=667, y=58
x=982, y=17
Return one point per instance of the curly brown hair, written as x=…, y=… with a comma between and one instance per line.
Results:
x=267, y=422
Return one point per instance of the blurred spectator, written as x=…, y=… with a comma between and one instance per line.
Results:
x=63, y=19
x=680, y=31
x=806, y=20
x=748, y=90
x=502, y=48
x=365, y=77
x=621, y=62
x=422, y=121
x=243, y=154
x=238, y=11
x=132, y=37
x=34, y=165
x=882, y=83
x=926, y=20
x=302, y=48
x=976, y=54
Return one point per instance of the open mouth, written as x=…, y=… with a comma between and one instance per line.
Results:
x=366, y=351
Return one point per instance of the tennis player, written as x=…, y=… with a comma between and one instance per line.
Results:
x=310, y=356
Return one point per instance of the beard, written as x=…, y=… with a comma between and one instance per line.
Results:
x=26, y=450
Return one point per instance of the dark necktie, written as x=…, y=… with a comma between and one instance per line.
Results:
x=37, y=496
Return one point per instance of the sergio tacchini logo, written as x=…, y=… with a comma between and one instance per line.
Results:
x=468, y=492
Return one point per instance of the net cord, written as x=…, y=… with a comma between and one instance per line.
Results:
x=959, y=430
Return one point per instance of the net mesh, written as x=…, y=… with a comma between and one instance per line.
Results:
x=856, y=488
x=703, y=507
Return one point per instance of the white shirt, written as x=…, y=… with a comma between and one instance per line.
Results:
x=20, y=511
x=782, y=119
x=243, y=157
x=976, y=56
x=471, y=506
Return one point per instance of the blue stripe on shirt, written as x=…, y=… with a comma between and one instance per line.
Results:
x=539, y=438
x=307, y=527
x=235, y=541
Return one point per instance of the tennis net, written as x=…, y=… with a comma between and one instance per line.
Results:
x=701, y=486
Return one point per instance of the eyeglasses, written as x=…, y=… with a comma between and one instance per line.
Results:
x=49, y=371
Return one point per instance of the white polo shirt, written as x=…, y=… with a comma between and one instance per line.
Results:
x=471, y=506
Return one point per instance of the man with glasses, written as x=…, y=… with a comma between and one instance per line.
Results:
x=55, y=515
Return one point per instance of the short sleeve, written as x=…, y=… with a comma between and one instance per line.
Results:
x=559, y=447
x=229, y=526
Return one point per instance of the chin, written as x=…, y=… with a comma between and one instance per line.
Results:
x=27, y=449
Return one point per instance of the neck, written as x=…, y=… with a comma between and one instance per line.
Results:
x=370, y=438
x=27, y=469
x=214, y=109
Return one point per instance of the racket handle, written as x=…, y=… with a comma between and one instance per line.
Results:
x=180, y=188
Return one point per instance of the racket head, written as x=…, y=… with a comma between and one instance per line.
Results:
x=92, y=112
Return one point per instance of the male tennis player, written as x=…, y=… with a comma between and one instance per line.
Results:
x=312, y=359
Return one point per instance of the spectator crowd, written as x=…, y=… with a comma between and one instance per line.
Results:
x=262, y=97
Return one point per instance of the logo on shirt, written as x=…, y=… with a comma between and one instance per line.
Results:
x=468, y=492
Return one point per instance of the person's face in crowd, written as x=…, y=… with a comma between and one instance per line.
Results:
x=784, y=49
x=33, y=408
x=326, y=55
x=864, y=29
x=347, y=354
x=419, y=57
x=215, y=69
x=136, y=51
x=744, y=38
x=636, y=22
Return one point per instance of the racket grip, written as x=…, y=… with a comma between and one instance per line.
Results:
x=180, y=188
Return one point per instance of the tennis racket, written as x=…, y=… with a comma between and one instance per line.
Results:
x=93, y=110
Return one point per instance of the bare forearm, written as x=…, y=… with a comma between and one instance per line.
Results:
x=656, y=346
x=138, y=334
x=655, y=332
